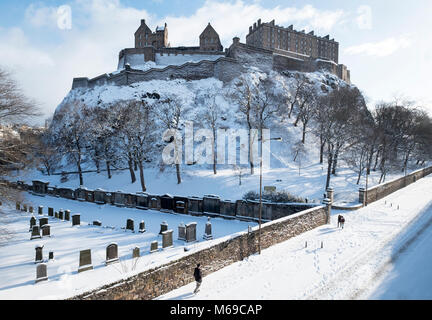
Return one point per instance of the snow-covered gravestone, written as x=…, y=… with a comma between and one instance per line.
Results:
x=191, y=232
x=51, y=255
x=39, y=253
x=182, y=232
x=51, y=212
x=163, y=227
x=167, y=239
x=18, y=206
x=76, y=220
x=142, y=228
x=41, y=273
x=130, y=225
x=43, y=221
x=61, y=214
x=97, y=223
x=32, y=223
x=208, y=231
x=24, y=207
x=35, y=233
x=67, y=215
x=40, y=210
x=46, y=230
x=56, y=215
x=112, y=254
x=136, y=252
x=31, y=209
x=154, y=247
x=85, y=261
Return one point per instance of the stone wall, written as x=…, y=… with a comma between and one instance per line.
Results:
x=163, y=279
x=378, y=192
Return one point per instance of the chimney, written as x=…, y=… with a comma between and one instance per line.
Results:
x=259, y=22
x=142, y=22
x=250, y=30
x=236, y=40
x=255, y=26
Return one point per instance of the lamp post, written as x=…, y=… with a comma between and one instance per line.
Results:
x=261, y=175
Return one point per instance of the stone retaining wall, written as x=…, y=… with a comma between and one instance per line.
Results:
x=163, y=279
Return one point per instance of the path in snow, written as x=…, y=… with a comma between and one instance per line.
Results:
x=346, y=268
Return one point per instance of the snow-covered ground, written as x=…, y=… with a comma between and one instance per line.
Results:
x=383, y=252
x=17, y=251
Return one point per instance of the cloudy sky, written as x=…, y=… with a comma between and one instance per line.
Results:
x=386, y=44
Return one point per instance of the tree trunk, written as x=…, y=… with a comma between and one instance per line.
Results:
x=80, y=172
x=108, y=169
x=132, y=172
x=141, y=171
x=335, y=162
x=178, y=173
x=214, y=153
x=329, y=166
x=135, y=166
x=304, y=133
x=322, y=145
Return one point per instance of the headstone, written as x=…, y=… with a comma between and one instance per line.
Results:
x=208, y=231
x=46, y=230
x=43, y=221
x=142, y=228
x=35, y=233
x=40, y=210
x=154, y=246
x=51, y=212
x=61, y=214
x=76, y=220
x=191, y=232
x=136, y=252
x=32, y=223
x=167, y=239
x=67, y=215
x=41, y=273
x=153, y=203
x=97, y=223
x=112, y=254
x=24, y=207
x=163, y=227
x=18, y=206
x=39, y=253
x=182, y=232
x=85, y=261
x=56, y=215
x=51, y=255
x=31, y=209
x=130, y=225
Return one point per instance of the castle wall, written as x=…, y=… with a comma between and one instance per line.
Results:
x=179, y=59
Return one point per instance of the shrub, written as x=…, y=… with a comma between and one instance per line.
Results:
x=277, y=197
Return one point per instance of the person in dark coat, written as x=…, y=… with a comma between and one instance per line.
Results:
x=198, y=277
x=342, y=221
x=339, y=220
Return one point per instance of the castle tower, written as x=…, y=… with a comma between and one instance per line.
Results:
x=144, y=37
x=209, y=40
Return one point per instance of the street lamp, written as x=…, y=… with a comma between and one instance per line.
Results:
x=260, y=205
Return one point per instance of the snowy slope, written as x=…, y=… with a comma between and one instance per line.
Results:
x=346, y=266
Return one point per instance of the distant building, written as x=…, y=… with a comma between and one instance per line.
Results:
x=144, y=37
x=209, y=40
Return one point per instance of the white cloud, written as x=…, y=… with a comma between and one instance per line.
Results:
x=41, y=16
x=364, y=18
x=380, y=49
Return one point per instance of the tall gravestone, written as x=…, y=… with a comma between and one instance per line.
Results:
x=130, y=225
x=191, y=232
x=182, y=232
x=76, y=220
x=163, y=227
x=208, y=231
x=142, y=228
x=24, y=207
x=56, y=215
x=61, y=214
x=31, y=209
x=154, y=247
x=43, y=221
x=35, y=233
x=46, y=230
x=136, y=252
x=67, y=215
x=167, y=239
x=18, y=206
x=32, y=223
x=41, y=273
x=85, y=261
x=51, y=212
x=39, y=254
x=51, y=255
x=40, y=210
x=112, y=254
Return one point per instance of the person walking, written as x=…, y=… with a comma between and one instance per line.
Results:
x=342, y=221
x=198, y=277
x=339, y=220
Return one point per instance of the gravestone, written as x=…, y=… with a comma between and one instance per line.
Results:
x=32, y=223
x=112, y=254
x=153, y=203
x=24, y=207
x=182, y=232
x=35, y=233
x=154, y=246
x=136, y=252
x=51, y=212
x=191, y=232
x=43, y=221
x=97, y=223
x=130, y=225
x=85, y=261
x=41, y=273
x=208, y=231
x=142, y=228
x=163, y=227
x=167, y=239
x=56, y=215
x=46, y=230
x=61, y=214
x=40, y=210
x=51, y=255
x=31, y=209
x=67, y=215
x=76, y=220
x=39, y=253
x=18, y=206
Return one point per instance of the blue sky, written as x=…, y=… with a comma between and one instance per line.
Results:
x=386, y=44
